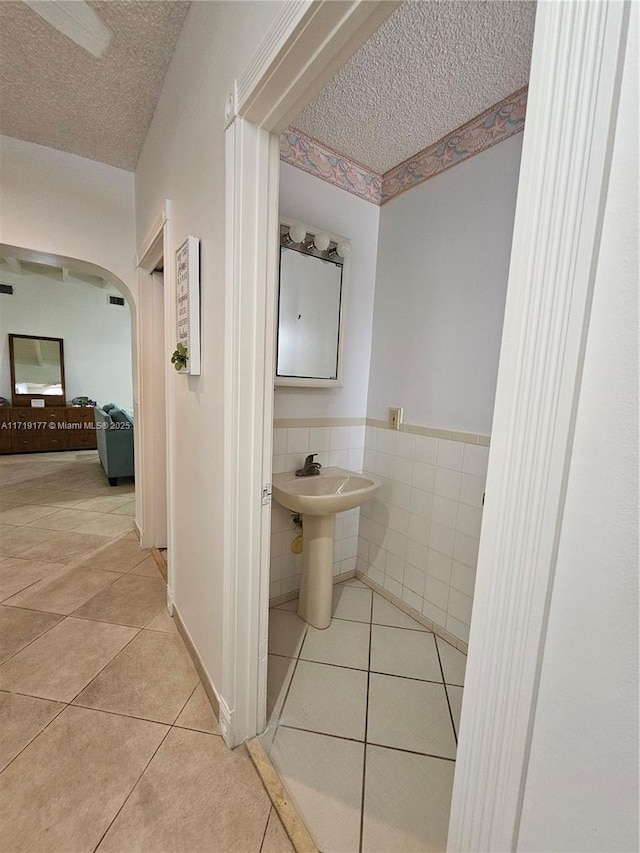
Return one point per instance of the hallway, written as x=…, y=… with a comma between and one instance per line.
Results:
x=107, y=739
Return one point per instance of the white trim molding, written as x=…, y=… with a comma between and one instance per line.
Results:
x=308, y=43
x=152, y=445
x=251, y=181
x=574, y=86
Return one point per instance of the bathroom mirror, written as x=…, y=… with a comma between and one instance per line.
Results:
x=37, y=370
x=310, y=323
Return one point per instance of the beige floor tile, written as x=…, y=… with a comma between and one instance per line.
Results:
x=19, y=627
x=17, y=574
x=127, y=509
x=62, y=547
x=6, y=503
x=323, y=775
x=385, y=613
x=58, y=798
x=131, y=600
x=342, y=643
x=21, y=539
x=21, y=719
x=107, y=525
x=407, y=802
x=120, y=556
x=57, y=498
x=64, y=592
x=162, y=622
x=276, y=839
x=455, y=701
x=195, y=795
x=152, y=678
x=132, y=535
x=286, y=633
x=24, y=513
x=65, y=519
x=327, y=699
x=351, y=603
x=409, y=714
x=198, y=714
x=59, y=664
x=148, y=568
x=453, y=662
x=397, y=651
x=104, y=503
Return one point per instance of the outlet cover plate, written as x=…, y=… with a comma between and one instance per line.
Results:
x=395, y=418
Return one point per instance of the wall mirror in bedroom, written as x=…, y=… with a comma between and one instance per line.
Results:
x=37, y=370
x=311, y=297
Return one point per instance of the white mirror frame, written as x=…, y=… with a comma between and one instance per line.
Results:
x=294, y=381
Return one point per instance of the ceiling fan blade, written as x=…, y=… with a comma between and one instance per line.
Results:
x=76, y=20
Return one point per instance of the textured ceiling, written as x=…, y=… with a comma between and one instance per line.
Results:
x=430, y=68
x=55, y=93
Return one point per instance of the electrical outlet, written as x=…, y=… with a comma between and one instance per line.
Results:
x=395, y=418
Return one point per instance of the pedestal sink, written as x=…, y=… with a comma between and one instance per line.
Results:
x=318, y=499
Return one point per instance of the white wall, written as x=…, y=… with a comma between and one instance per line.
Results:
x=582, y=784
x=443, y=261
x=97, y=336
x=183, y=160
x=66, y=205
x=317, y=203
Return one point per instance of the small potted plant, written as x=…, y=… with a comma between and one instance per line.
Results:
x=179, y=358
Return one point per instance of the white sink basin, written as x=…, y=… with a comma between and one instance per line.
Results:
x=318, y=499
x=332, y=490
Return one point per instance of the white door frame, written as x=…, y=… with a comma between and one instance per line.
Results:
x=573, y=91
x=308, y=42
x=154, y=515
x=576, y=72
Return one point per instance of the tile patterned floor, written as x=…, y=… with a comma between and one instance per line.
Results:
x=363, y=721
x=107, y=740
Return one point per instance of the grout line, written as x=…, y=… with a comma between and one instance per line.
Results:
x=293, y=674
x=135, y=785
x=37, y=735
x=359, y=669
x=266, y=826
x=62, y=618
x=366, y=730
x=446, y=693
x=186, y=703
x=102, y=669
x=369, y=743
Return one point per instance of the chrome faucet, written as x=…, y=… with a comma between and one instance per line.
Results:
x=310, y=468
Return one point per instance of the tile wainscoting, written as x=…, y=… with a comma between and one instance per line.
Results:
x=418, y=539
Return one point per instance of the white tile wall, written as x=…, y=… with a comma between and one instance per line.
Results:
x=341, y=446
x=419, y=538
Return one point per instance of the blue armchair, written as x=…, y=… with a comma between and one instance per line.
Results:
x=114, y=434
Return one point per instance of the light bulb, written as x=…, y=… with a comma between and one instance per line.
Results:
x=321, y=242
x=343, y=248
x=297, y=233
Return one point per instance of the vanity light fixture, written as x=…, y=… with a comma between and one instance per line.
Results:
x=297, y=233
x=321, y=242
x=341, y=250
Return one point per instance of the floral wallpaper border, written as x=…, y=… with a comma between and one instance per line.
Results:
x=313, y=157
x=499, y=122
